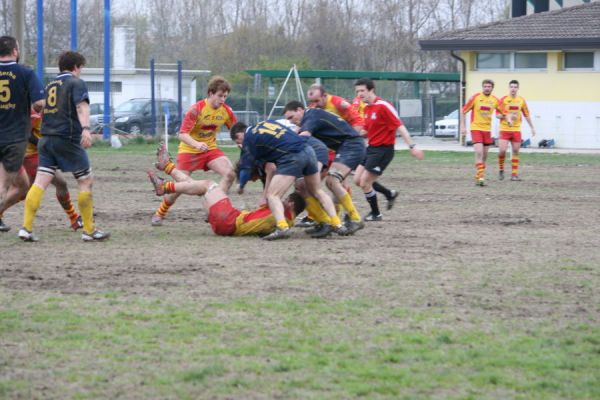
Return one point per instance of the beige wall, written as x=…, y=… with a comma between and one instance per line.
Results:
x=564, y=105
x=553, y=84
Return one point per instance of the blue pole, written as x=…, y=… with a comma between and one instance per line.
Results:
x=106, y=128
x=40, y=40
x=74, y=25
x=179, y=94
x=152, y=99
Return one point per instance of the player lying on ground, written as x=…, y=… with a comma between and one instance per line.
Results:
x=294, y=158
x=224, y=219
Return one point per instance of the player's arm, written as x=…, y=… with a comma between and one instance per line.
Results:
x=189, y=121
x=187, y=139
x=463, y=115
x=403, y=132
x=38, y=105
x=245, y=165
x=351, y=115
x=310, y=123
x=525, y=111
x=36, y=91
x=83, y=114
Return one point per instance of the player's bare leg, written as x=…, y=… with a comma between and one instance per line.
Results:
x=223, y=167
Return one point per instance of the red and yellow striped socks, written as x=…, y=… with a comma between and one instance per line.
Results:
x=515, y=165
x=67, y=205
x=501, y=159
x=480, y=171
x=169, y=167
x=163, y=209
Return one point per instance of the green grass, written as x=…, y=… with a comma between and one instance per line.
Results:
x=306, y=348
x=141, y=145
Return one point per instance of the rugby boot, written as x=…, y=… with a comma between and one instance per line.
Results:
x=314, y=229
x=3, y=226
x=278, y=234
x=515, y=178
x=157, y=182
x=162, y=157
x=480, y=182
x=392, y=199
x=96, y=236
x=77, y=223
x=305, y=222
x=157, y=220
x=341, y=230
x=372, y=217
x=354, y=226
x=501, y=175
x=324, y=231
x=27, y=236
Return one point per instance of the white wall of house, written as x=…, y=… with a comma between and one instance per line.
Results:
x=135, y=83
x=571, y=124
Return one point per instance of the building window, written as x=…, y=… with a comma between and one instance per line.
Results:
x=531, y=60
x=493, y=60
x=578, y=60
x=93, y=86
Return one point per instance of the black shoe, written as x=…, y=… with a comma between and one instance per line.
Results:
x=3, y=226
x=354, y=226
x=324, y=231
x=341, y=230
x=305, y=222
x=314, y=229
x=392, y=199
x=346, y=218
x=501, y=175
x=372, y=217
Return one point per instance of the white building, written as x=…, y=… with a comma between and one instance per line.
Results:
x=128, y=82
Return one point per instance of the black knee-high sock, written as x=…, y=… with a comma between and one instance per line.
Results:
x=378, y=187
x=372, y=199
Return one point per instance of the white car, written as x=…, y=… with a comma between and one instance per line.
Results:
x=447, y=127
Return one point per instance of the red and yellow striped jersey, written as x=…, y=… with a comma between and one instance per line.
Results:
x=203, y=123
x=513, y=106
x=333, y=104
x=36, y=130
x=359, y=106
x=258, y=222
x=482, y=108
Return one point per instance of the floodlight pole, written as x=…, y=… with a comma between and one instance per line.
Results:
x=152, y=98
x=179, y=91
x=74, y=25
x=40, y=40
x=106, y=128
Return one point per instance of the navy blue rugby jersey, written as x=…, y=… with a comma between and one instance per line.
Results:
x=327, y=127
x=268, y=141
x=60, y=112
x=19, y=88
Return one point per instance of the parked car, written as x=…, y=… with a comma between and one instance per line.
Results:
x=448, y=126
x=135, y=116
x=96, y=117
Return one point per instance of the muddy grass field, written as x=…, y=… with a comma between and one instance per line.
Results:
x=461, y=292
